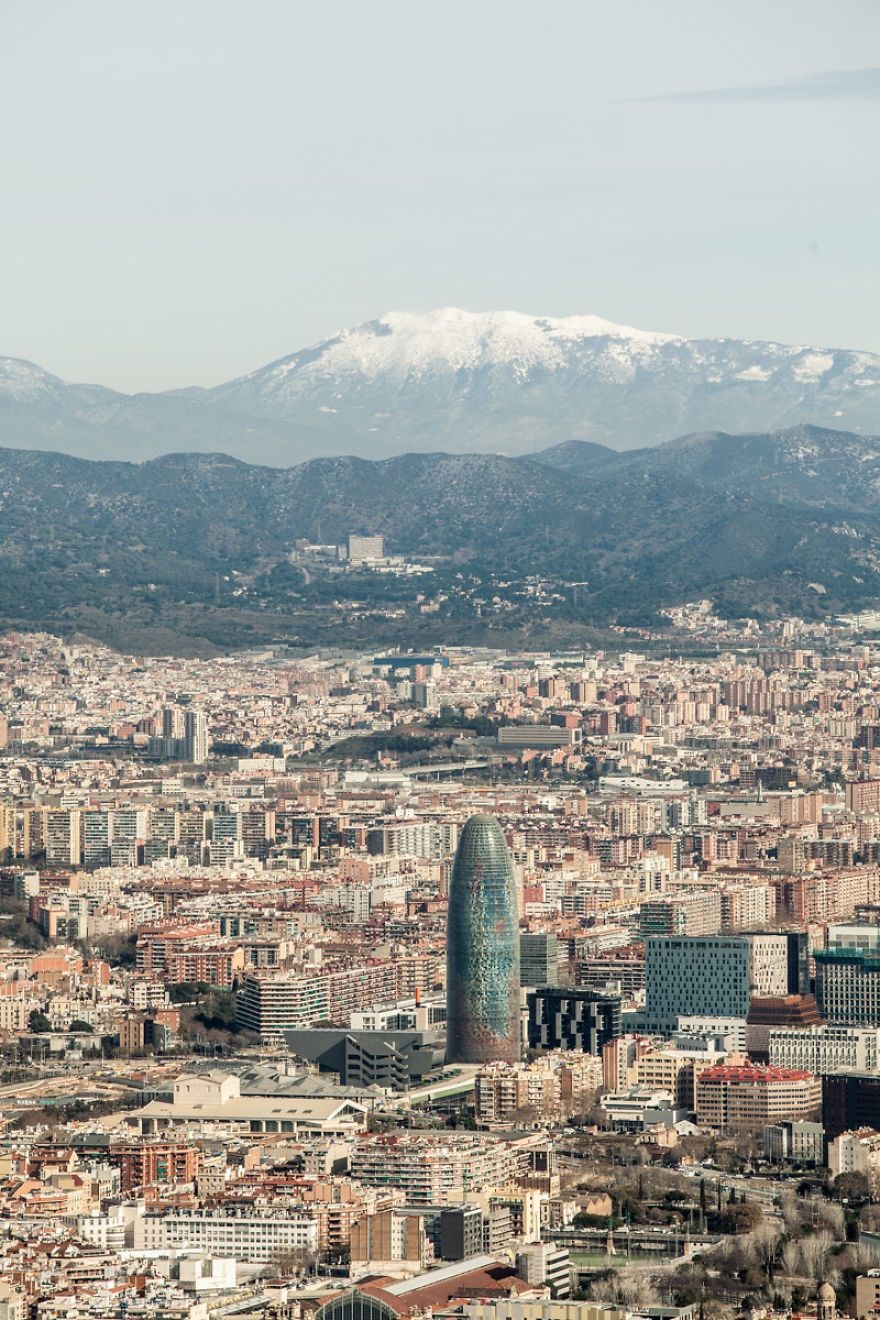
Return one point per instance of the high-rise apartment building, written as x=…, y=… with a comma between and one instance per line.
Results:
x=184, y=736
x=691, y=913
x=97, y=836
x=195, y=737
x=62, y=838
x=482, y=949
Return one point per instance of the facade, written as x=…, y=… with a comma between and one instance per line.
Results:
x=826, y=1049
x=849, y=1101
x=863, y=795
x=430, y=1172
x=386, y=1241
x=767, y=1014
x=848, y=985
x=504, y=1092
x=856, y=1152
x=565, y=1019
x=676, y=1070
x=393, y=1060
x=142, y=1163
x=801, y=1143
x=717, y=975
x=732, y=1029
x=545, y=1263
x=598, y=972
x=745, y=1098
x=272, y=1002
x=868, y=1293
x=519, y=736
x=482, y=949
x=461, y=1232
x=361, y=549
x=62, y=838
x=195, y=737
x=696, y=913
x=216, y=1098
x=538, y=958
x=246, y=1237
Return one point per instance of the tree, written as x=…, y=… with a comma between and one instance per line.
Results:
x=292, y=1260
x=624, y=1286
x=851, y=1187
x=38, y=1021
x=833, y=1216
x=118, y=950
x=814, y=1253
x=78, y=1025
x=791, y=1257
x=183, y=992
x=740, y=1218
x=765, y=1241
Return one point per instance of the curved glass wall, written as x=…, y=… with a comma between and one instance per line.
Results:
x=355, y=1305
x=482, y=949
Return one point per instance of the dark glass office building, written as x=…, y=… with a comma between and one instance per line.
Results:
x=482, y=949
x=849, y=1101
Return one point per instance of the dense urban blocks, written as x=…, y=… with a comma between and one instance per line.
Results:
x=482, y=949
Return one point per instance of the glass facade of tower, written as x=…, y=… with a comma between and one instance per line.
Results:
x=482, y=949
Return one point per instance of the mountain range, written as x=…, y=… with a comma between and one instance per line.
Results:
x=463, y=382
x=191, y=552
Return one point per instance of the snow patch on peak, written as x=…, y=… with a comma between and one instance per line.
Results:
x=20, y=379
x=812, y=365
x=410, y=345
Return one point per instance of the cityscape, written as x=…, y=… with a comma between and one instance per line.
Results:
x=439, y=660
x=537, y=984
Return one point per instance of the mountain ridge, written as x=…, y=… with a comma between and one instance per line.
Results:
x=195, y=549
x=460, y=381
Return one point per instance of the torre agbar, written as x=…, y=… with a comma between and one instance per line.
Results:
x=482, y=949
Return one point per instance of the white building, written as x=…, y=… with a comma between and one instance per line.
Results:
x=247, y=1237
x=826, y=1049
x=857, y=1152
x=215, y=1099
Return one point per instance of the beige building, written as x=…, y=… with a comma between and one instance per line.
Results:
x=746, y=1097
x=556, y=1084
x=857, y=1152
x=868, y=1293
x=388, y=1243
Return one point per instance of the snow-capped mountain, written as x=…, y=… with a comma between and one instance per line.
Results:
x=462, y=381
x=42, y=411
x=505, y=381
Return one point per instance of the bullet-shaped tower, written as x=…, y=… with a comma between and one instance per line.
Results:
x=482, y=949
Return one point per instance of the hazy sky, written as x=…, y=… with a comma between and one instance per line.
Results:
x=190, y=188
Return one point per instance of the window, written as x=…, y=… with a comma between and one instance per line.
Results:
x=355, y=1305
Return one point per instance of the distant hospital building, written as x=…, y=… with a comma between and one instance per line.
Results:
x=360, y=549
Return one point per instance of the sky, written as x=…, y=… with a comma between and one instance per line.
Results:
x=191, y=189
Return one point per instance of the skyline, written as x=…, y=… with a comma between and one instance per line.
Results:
x=258, y=187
